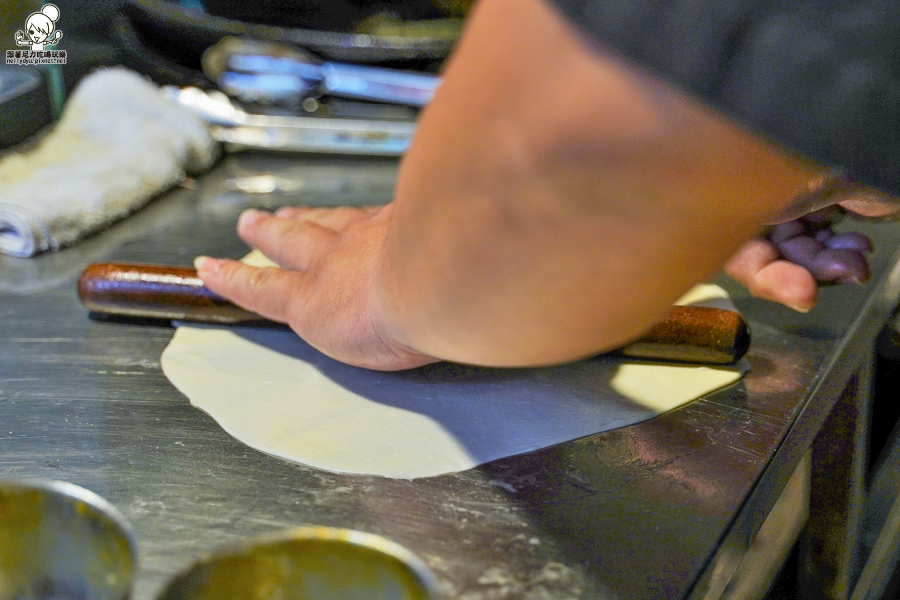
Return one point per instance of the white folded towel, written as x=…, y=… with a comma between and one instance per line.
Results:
x=117, y=145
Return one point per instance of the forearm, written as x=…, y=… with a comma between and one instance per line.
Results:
x=555, y=201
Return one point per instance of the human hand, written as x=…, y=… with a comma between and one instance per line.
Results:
x=325, y=288
x=792, y=259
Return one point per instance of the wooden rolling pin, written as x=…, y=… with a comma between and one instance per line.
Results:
x=687, y=333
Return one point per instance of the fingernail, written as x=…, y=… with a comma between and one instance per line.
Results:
x=206, y=264
x=249, y=217
x=800, y=309
x=284, y=211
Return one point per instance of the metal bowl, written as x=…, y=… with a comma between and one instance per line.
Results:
x=307, y=563
x=59, y=541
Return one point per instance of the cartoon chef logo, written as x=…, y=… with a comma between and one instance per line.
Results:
x=40, y=29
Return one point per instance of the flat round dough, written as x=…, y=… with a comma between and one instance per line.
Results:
x=275, y=393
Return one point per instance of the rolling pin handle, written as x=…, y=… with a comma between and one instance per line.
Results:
x=158, y=292
x=686, y=334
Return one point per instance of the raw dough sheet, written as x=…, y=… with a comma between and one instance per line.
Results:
x=275, y=393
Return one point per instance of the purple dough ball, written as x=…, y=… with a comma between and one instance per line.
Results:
x=785, y=231
x=801, y=250
x=851, y=240
x=840, y=266
x=829, y=214
x=823, y=235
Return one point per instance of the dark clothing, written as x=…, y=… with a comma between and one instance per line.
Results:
x=819, y=76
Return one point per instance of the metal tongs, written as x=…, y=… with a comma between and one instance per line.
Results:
x=271, y=73
x=267, y=73
x=238, y=128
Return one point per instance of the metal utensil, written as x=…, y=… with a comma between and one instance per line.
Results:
x=59, y=541
x=268, y=72
x=305, y=134
x=307, y=563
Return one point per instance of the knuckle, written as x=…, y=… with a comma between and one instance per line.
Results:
x=738, y=271
x=257, y=278
x=227, y=272
x=733, y=270
x=300, y=318
x=757, y=290
x=760, y=286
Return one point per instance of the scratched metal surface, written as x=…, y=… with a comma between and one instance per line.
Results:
x=641, y=512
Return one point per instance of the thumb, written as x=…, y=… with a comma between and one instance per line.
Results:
x=872, y=204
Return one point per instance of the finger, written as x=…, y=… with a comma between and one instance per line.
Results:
x=749, y=259
x=756, y=267
x=291, y=244
x=872, y=204
x=336, y=219
x=333, y=218
x=289, y=212
x=786, y=283
x=266, y=291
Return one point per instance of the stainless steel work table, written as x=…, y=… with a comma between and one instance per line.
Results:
x=663, y=509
